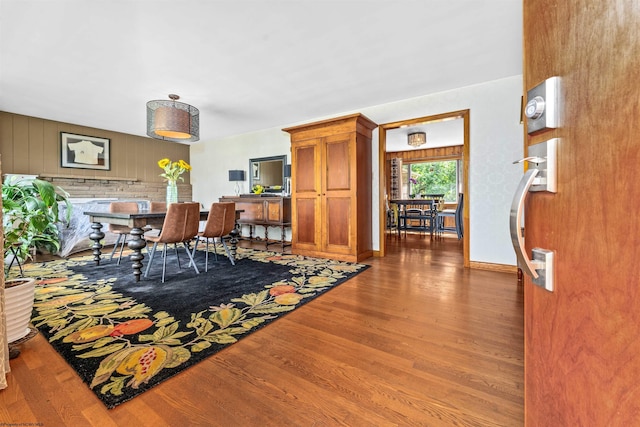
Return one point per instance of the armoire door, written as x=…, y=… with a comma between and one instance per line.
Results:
x=338, y=211
x=306, y=190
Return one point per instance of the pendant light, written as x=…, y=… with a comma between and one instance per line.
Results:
x=170, y=120
x=417, y=139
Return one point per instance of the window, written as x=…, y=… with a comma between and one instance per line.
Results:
x=441, y=177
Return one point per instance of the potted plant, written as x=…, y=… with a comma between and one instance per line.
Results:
x=19, y=294
x=29, y=217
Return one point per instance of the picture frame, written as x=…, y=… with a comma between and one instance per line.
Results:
x=84, y=152
x=256, y=170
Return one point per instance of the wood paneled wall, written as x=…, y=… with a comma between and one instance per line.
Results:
x=31, y=145
x=413, y=156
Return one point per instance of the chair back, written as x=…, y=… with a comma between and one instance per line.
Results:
x=221, y=220
x=459, y=210
x=413, y=212
x=122, y=207
x=181, y=223
x=157, y=206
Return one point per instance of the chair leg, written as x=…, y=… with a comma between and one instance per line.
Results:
x=186, y=248
x=153, y=252
x=195, y=246
x=124, y=240
x=226, y=248
x=115, y=247
x=215, y=249
x=206, y=256
x=164, y=260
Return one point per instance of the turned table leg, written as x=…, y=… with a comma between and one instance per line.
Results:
x=235, y=233
x=96, y=235
x=137, y=243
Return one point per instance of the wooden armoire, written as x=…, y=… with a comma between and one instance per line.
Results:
x=331, y=188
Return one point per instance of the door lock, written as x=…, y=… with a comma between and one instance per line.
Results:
x=543, y=106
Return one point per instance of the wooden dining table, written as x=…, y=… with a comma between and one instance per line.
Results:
x=137, y=222
x=429, y=214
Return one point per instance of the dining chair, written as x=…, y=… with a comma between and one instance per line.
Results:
x=220, y=221
x=456, y=214
x=155, y=207
x=121, y=230
x=180, y=226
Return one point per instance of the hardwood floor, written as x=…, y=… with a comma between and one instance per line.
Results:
x=414, y=340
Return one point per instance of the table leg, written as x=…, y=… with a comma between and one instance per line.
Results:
x=235, y=233
x=136, y=244
x=96, y=235
x=282, y=237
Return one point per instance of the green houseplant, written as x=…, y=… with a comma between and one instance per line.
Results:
x=29, y=215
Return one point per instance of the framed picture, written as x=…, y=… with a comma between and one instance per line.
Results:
x=84, y=152
x=256, y=170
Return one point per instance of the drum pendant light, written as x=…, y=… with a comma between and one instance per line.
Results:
x=170, y=120
x=417, y=139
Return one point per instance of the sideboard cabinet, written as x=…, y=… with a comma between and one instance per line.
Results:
x=271, y=210
x=331, y=188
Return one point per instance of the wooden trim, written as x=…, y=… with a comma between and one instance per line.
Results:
x=382, y=190
x=503, y=268
x=382, y=167
x=440, y=153
x=86, y=178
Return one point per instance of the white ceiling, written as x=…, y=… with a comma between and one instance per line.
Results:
x=246, y=65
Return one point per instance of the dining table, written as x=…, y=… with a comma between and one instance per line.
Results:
x=139, y=222
x=428, y=207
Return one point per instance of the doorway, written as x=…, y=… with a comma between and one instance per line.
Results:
x=382, y=167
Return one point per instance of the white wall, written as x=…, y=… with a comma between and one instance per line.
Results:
x=496, y=137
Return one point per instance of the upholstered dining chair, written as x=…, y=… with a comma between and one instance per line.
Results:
x=451, y=213
x=220, y=221
x=180, y=226
x=155, y=207
x=121, y=230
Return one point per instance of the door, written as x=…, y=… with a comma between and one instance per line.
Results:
x=306, y=194
x=582, y=352
x=337, y=196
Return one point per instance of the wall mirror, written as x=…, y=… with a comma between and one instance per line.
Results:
x=268, y=172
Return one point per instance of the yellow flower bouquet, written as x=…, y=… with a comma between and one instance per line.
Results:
x=173, y=170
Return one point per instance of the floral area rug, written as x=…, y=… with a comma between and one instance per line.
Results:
x=124, y=337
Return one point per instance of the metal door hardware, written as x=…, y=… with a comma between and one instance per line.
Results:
x=541, y=176
x=543, y=157
x=542, y=108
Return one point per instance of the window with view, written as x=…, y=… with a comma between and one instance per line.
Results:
x=442, y=177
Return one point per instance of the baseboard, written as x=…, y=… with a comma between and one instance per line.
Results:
x=503, y=268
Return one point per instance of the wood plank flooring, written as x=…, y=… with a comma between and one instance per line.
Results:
x=414, y=340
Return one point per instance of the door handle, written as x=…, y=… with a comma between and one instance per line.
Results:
x=515, y=223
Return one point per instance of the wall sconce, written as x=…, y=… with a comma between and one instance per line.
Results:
x=172, y=120
x=236, y=176
x=417, y=139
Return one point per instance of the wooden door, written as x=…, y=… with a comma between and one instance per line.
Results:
x=337, y=195
x=582, y=352
x=306, y=195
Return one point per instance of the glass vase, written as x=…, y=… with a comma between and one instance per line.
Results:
x=172, y=192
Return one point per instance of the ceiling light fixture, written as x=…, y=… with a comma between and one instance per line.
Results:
x=417, y=139
x=170, y=120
